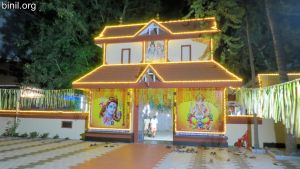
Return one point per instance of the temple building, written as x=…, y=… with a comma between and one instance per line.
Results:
x=161, y=72
x=158, y=82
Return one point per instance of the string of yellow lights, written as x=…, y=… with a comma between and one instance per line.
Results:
x=260, y=75
x=160, y=77
x=42, y=111
x=225, y=94
x=213, y=28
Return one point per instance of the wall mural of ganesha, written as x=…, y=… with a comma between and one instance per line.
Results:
x=200, y=110
x=200, y=116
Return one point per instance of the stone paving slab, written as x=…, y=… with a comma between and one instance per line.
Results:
x=45, y=146
x=14, y=142
x=52, y=155
x=8, y=138
x=19, y=146
x=67, y=161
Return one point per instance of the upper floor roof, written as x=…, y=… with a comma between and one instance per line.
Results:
x=157, y=30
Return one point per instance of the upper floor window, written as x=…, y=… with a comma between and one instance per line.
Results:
x=186, y=53
x=125, y=56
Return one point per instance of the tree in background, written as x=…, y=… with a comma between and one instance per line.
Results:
x=13, y=36
x=261, y=39
x=56, y=40
x=232, y=49
x=280, y=52
x=139, y=11
x=63, y=47
x=229, y=15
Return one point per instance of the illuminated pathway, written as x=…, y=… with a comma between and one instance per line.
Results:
x=131, y=156
x=17, y=153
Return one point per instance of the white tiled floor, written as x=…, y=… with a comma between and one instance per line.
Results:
x=12, y=141
x=46, y=155
x=223, y=159
x=49, y=153
x=176, y=160
x=48, y=145
x=62, y=154
x=22, y=144
x=67, y=162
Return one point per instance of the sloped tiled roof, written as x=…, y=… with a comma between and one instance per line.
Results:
x=187, y=74
x=115, y=31
x=111, y=74
x=177, y=28
x=193, y=72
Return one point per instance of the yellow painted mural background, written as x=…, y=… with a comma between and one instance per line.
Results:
x=100, y=98
x=200, y=110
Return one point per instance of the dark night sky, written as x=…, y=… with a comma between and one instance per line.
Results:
x=174, y=9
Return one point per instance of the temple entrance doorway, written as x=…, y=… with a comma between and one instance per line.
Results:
x=156, y=115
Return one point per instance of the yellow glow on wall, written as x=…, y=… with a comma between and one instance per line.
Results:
x=144, y=50
x=104, y=54
x=166, y=50
x=175, y=109
x=211, y=49
x=259, y=76
x=259, y=80
x=215, y=24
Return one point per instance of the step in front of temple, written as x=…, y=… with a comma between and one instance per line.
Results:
x=108, y=137
x=205, y=140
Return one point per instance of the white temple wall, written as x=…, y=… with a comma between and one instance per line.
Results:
x=114, y=52
x=197, y=49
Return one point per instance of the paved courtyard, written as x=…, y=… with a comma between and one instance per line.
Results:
x=18, y=153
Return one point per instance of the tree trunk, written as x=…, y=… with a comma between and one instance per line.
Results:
x=290, y=140
x=124, y=9
x=252, y=67
x=251, y=58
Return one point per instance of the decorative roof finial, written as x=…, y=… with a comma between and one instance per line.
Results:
x=121, y=20
x=157, y=16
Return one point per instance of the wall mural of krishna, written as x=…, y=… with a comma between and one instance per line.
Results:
x=111, y=109
x=200, y=110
